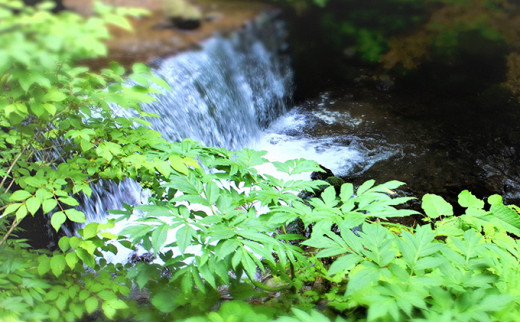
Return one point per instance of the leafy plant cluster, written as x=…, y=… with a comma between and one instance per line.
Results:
x=354, y=263
x=232, y=256
x=223, y=242
x=59, y=133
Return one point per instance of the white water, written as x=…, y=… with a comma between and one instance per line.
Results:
x=234, y=92
x=291, y=137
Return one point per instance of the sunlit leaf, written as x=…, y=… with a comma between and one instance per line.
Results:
x=435, y=206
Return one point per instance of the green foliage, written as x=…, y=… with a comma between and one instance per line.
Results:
x=44, y=286
x=446, y=272
x=58, y=130
x=216, y=227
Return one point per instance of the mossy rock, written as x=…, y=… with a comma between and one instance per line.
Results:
x=336, y=182
x=183, y=14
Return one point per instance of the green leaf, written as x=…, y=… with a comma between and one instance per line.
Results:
x=178, y=164
x=313, y=316
x=282, y=167
x=163, y=167
x=368, y=274
x=208, y=275
x=57, y=219
x=71, y=259
x=44, y=265
x=415, y=246
x=49, y=205
x=162, y=83
x=184, y=235
x=429, y=263
x=365, y=187
x=187, y=283
x=495, y=302
x=37, y=109
x=119, y=21
x=346, y=262
x=54, y=95
x=162, y=300
x=107, y=295
x=64, y=244
x=33, y=204
x=212, y=192
x=33, y=181
x=242, y=291
x=75, y=216
x=466, y=199
x=57, y=264
x=50, y=108
x=159, y=236
x=235, y=261
x=329, y=197
x=506, y=214
x=436, y=206
x=88, y=246
x=248, y=263
x=21, y=213
x=347, y=190
x=108, y=310
x=90, y=230
x=495, y=199
x=11, y=208
x=19, y=195
x=387, y=187
x=69, y=200
x=91, y=304
x=226, y=248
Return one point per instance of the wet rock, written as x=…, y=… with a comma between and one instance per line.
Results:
x=186, y=24
x=182, y=14
x=336, y=182
x=58, y=4
x=322, y=175
x=500, y=170
x=145, y=257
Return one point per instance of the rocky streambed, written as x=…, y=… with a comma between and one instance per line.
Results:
x=155, y=36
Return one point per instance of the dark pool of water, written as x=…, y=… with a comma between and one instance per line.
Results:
x=435, y=147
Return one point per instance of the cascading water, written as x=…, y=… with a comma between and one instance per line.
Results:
x=223, y=94
x=234, y=91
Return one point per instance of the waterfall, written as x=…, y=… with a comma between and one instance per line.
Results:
x=222, y=94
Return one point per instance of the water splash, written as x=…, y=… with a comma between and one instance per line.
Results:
x=226, y=92
x=223, y=94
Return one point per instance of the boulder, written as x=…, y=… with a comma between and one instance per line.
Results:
x=183, y=14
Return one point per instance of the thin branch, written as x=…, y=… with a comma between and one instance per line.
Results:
x=11, y=168
x=13, y=226
x=9, y=186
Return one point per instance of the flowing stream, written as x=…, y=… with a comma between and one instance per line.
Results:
x=235, y=91
x=223, y=94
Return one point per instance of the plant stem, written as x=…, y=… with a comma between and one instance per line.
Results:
x=13, y=226
x=11, y=168
x=267, y=288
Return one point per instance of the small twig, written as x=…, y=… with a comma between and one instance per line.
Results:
x=9, y=187
x=227, y=298
x=11, y=168
x=13, y=226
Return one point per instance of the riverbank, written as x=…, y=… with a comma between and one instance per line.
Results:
x=154, y=36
